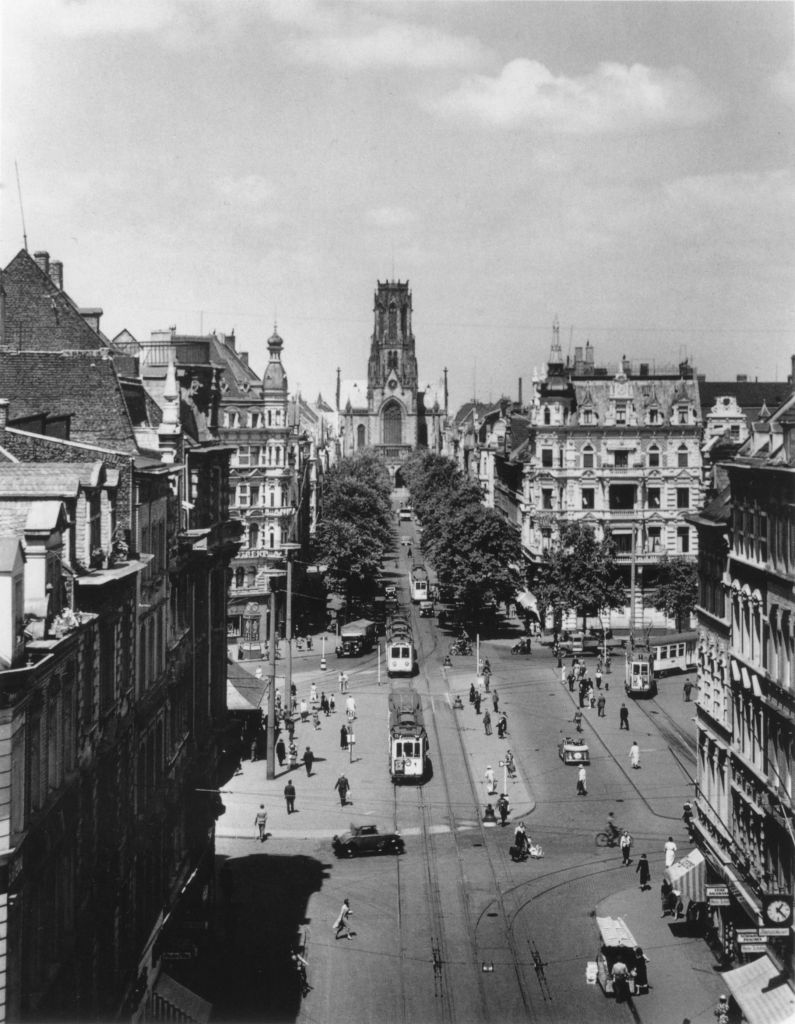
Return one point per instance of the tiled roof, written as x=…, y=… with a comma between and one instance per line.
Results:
x=83, y=385
x=240, y=381
x=750, y=395
x=38, y=315
x=44, y=479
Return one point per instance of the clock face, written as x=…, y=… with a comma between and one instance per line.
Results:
x=779, y=911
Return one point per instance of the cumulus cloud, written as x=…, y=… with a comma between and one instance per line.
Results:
x=390, y=217
x=613, y=98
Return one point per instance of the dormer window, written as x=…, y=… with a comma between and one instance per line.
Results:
x=654, y=415
x=587, y=416
x=621, y=412
x=682, y=414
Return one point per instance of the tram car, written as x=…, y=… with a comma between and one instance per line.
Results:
x=408, y=740
x=401, y=658
x=673, y=653
x=640, y=680
x=419, y=584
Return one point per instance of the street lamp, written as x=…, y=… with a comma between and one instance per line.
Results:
x=270, y=768
x=289, y=548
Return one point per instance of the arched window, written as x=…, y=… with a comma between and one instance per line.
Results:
x=270, y=417
x=654, y=456
x=253, y=535
x=682, y=456
x=587, y=458
x=360, y=436
x=271, y=540
x=393, y=424
x=547, y=415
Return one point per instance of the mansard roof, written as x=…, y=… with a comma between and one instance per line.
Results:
x=240, y=381
x=751, y=395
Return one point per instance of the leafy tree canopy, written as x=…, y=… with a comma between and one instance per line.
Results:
x=677, y=589
x=579, y=573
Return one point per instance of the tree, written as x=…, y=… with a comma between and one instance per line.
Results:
x=677, y=589
x=579, y=573
x=355, y=527
x=476, y=555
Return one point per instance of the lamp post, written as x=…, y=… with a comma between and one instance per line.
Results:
x=289, y=548
x=270, y=770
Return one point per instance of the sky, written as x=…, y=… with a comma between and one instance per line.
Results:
x=230, y=164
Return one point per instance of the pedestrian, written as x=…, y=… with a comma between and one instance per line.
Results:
x=520, y=840
x=254, y=749
x=644, y=871
x=625, y=842
x=261, y=821
x=341, y=924
x=309, y=760
x=721, y=1011
x=509, y=763
x=332, y=704
x=292, y=754
x=600, y=705
x=623, y=716
x=578, y=720
x=324, y=705
x=281, y=752
x=620, y=975
x=503, y=806
x=291, y=728
x=313, y=694
x=477, y=703
x=502, y=726
x=687, y=688
x=342, y=786
x=491, y=783
x=472, y=693
x=634, y=754
x=300, y=964
x=343, y=738
x=495, y=700
x=487, y=722
x=581, y=788
x=598, y=675
x=668, y=898
x=350, y=708
x=304, y=711
x=289, y=796
x=316, y=719
x=670, y=852
x=639, y=971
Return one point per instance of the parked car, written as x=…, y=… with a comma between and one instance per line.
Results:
x=574, y=751
x=426, y=609
x=363, y=839
x=405, y=514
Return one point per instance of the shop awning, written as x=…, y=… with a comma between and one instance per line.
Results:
x=246, y=691
x=762, y=993
x=527, y=601
x=688, y=876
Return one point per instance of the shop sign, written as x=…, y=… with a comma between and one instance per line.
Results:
x=717, y=892
x=755, y=947
x=775, y=933
x=745, y=937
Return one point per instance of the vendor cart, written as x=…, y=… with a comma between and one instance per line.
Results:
x=617, y=943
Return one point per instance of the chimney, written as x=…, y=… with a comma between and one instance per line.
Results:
x=92, y=316
x=243, y=357
x=520, y=392
x=578, y=357
x=42, y=259
x=3, y=413
x=742, y=378
x=56, y=274
x=589, y=353
x=792, y=371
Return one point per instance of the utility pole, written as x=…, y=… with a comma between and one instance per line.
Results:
x=270, y=770
x=289, y=548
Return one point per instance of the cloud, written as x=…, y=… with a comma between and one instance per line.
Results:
x=250, y=190
x=390, y=217
x=613, y=98
x=374, y=45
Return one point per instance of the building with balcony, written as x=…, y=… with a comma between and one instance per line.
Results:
x=116, y=542
x=746, y=708
x=390, y=410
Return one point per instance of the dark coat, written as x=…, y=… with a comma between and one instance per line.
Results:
x=644, y=871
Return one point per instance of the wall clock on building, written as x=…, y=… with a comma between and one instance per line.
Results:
x=777, y=909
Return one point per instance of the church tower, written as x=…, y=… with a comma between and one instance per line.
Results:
x=392, y=369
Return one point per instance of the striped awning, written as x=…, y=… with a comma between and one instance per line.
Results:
x=761, y=991
x=688, y=876
x=527, y=601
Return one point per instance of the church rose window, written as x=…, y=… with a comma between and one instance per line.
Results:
x=393, y=424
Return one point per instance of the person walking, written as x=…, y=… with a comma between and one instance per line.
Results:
x=634, y=754
x=261, y=821
x=487, y=722
x=350, y=708
x=503, y=806
x=309, y=760
x=289, y=796
x=578, y=720
x=343, y=737
x=581, y=787
x=670, y=852
x=292, y=754
x=600, y=705
x=495, y=700
x=324, y=704
x=570, y=680
x=502, y=726
x=491, y=783
x=254, y=749
x=342, y=786
x=332, y=704
x=623, y=717
x=304, y=710
x=520, y=840
x=281, y=752
x=687, y=690
x=316, y=719
x=313, y=693
x=644, y=872
x=640, y=972
x=478, y=699
x=598, y=676
x=341, y=923
x=625, y=842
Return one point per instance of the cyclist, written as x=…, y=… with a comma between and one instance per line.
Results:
x=613, y=831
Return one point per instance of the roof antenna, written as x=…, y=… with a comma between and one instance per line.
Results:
x=21, y=209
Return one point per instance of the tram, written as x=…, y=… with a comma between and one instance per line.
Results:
x=401, y=657
x=408, y=740
x=419, y=584
x=640, y=680
x=674, y=653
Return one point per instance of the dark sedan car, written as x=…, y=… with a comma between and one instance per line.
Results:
x=366, y=839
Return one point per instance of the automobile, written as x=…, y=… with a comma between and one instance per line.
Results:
x=390, y=590
x=405, y=514
x=573, y=643
x=574, y=751
x=405, y=541
x=362, y=839
x=426, y=609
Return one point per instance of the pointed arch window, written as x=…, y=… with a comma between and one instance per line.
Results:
x=360, y=438
x=393, y=424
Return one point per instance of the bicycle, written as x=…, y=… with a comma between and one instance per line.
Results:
x=606, y=839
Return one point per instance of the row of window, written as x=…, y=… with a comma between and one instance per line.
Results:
x=254, y=536
x=241, y=420
x=588, y=499
x=681, y=416
x=254, y=495
x=248, y=456
x=589, y=460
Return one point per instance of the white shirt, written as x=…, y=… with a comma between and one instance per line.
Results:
x=670, y=852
